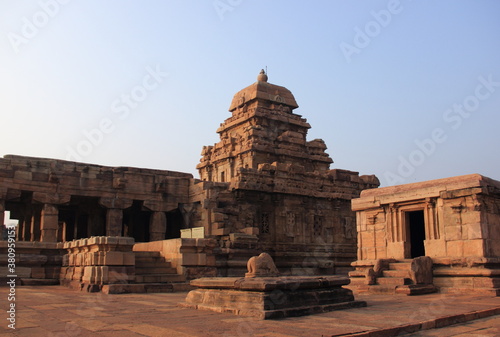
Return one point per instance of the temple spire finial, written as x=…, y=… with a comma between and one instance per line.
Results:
x=262, y=76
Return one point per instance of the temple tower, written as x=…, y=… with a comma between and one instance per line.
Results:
x=262, y=130
x=265, y=187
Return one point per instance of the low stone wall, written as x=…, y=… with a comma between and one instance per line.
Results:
x=192, y=258
x=468, y=275
x=97, y=261
x=36, y=263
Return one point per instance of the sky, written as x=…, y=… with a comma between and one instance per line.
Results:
x=406, y=90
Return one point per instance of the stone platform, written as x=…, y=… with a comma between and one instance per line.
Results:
x=272, y=297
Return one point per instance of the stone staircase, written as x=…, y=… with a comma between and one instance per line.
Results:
x=396, y=279
x=153, y=274
x=151, y=267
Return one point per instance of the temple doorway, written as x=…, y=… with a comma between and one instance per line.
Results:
x=416, y=227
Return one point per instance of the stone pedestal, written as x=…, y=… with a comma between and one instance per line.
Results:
x=97, y=261
x=272, y=297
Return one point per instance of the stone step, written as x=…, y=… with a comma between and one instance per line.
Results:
x=416, y=289
x=355, y=281
x=357, y=273
x=393, y=281
x=395, y=273
x=154, y=270
x=400, y=266
x=146, y=254
x=374, y=289
x=159, y=278
x=39, y=282
x=153, y=264
x=146, y=288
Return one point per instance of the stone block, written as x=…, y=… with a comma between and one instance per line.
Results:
x=435, y=248
x=23, y=175
x=198, y=232
x=251, y=230
x=421, y=270
x=65, y=260
x=126, y=241
x=474, y=231
x=95, y=275
x=381, y=252
x=52, y=272
x=194, y=259
x=455, y=248
x=395, y=250
x=218, y=217
x=78, y=273
x=37, y=272
x=453, y=233
x=112, y=258
x=367, y=239
x=120, y=274
x=221, y=231
x=486, y=282
x=129, y=259
x=473, y=248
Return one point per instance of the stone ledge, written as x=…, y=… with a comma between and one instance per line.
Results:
x=282, y=313
x=267, y=284
x=438, y=322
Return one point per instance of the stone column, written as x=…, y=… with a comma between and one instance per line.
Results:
x=114, y=222
x=114, y=214
x=49, y=223
x=36, y=217
x=157, y=226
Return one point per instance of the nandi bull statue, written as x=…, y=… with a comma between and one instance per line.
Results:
x=261, y=266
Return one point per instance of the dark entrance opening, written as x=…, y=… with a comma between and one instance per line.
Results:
x=175, y=223
x=416, y=226
x=136, y=222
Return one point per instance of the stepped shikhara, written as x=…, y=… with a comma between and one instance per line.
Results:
x=281, y=188
x=263, y=147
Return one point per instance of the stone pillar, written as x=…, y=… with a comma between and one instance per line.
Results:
x=114, y=215
x=49, y=223
x=157, y=226
x=114, y=222
x=36, y=217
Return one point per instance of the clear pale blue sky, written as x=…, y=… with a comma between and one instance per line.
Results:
x=411, y=97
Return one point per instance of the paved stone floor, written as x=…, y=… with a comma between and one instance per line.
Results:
x=57, y=312
x=484, y=327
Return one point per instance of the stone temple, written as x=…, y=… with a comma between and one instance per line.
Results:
x=264, y=187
